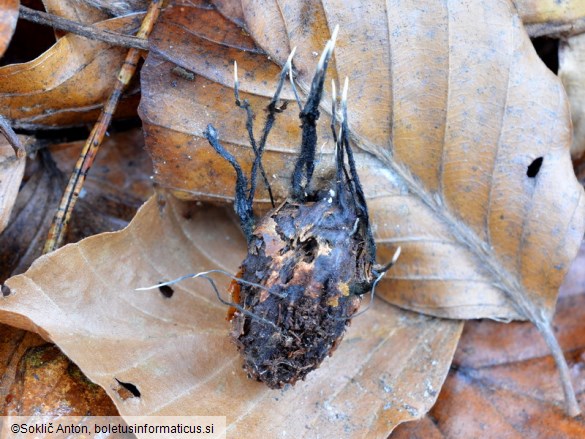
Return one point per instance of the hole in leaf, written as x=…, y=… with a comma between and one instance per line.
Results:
x=534, y=167
x=125, y=388
x=6, y=291
x=166, y=291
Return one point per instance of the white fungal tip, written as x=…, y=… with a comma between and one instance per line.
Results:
x=152, y=287
x=333, y=92
x=334, y=34
x=290, y=57
x=345, y=87
x=326, y=53
x=396, y=254
x=235, y=72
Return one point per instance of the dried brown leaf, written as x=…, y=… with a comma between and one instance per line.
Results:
x=232, y=10
x=551, y=17
x=388, y=369
x=37, y=378
x=76, y=10
x=503, y=378
x=116, y=186
x=445, y=129
x=119, y=7
x=8, y=19
x=572, y=73
x=68, y=83
x=11, y=172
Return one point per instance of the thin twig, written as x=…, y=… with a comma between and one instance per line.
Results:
x=84, y=30
x=62, y=216
x=10, y=135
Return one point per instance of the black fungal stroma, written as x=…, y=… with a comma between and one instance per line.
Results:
x=310, y=259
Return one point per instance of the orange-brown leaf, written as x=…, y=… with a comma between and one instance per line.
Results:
x=503, y=379
x=38, y=378
x=67, y=84
x=8, y=19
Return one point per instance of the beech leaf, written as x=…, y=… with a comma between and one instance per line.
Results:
x=549, y=17
x=460, y=155
x=388, y=369
x=67, y=84
x=572, y=73
x=76, y=10
x=503, y=377
x=466, y=162
x=37, y=378
x=11, y=172
x=8, y=20
x=116, y=187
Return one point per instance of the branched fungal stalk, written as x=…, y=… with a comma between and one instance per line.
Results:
x=311, y=259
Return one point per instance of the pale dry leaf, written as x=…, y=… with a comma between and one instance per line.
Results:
x=11, y=172
x=465, y=162
x=572, y=73
x=534, y=11
x=68, y=83
x=388, y=369
x=549, y=17
x=8, y=19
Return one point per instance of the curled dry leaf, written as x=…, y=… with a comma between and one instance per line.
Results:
x=503, y=379
x=11, y=172
x=464, y=161
x=68, y=83
x=119, y=7
x=116, y=186
x=550, y=17
x=76, y=10
x=231, y=10
x=572, y=73
x=8, y=19
x=22, y=239
x=175, y=349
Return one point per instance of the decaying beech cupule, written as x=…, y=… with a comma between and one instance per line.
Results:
x=310, y=259
x=313, y=258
